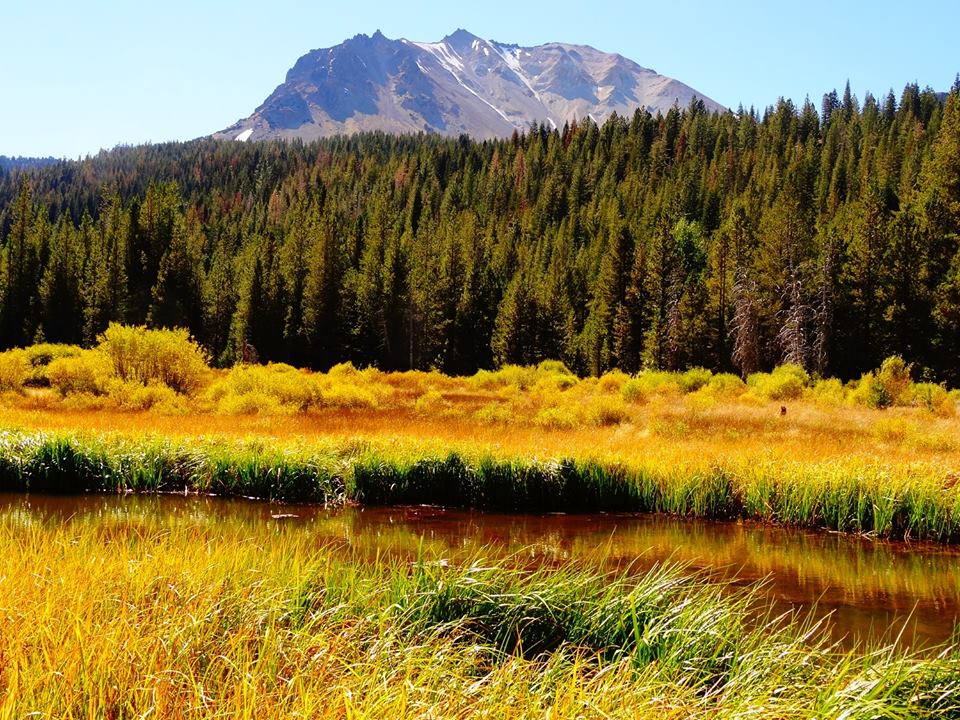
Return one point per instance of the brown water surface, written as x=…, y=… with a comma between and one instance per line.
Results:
x=870, y=589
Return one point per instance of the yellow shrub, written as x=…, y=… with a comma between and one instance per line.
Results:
x=894, y=377
x=143, y=356
x=554, y=367
x=829, y=392
x=724, y=386
x=751, y=398
x=701, y=400
x=430, y=403
x=550, y=373
x=605, y=412
x=345, y=369
x=556, y=418
x=485, y=380
x=693, y=379
x=612, y=381
x=414, y=383
x=251, y=403
x=342, y=395
x=13, y=370
x=864, y=391
x=372, y=374
x=495, y=413
x=650, y=382
x=153, y=396
x=280, y=388
x=934, y=398
x=88, y=372
x=634, y=390
x=786, y=382
x=520, y=377
x=888, y=386
x=40, y=356
x=292, y=389
x=549, y=384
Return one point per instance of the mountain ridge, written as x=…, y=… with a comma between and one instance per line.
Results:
x=461, y=84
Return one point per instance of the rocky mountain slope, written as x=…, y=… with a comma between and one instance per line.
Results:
x=462, y=84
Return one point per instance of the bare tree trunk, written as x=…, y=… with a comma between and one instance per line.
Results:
x=744, y=327
x=796, y=315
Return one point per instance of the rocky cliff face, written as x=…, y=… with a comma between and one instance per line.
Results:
x=462, y=84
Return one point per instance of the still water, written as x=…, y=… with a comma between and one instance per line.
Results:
x=869, y=589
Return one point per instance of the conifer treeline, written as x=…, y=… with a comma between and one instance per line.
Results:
x=732, y=241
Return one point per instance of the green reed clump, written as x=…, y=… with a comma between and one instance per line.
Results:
x=204, y=616
x=493, y=484
x=52, y=463
x=665, y=617
x=861, y=500
x=907, y=503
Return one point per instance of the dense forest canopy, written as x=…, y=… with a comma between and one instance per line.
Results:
x=828, y=238
x=13, y=163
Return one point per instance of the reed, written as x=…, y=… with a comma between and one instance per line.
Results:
x=65, y=463
x=196, y=616
x=852, y=497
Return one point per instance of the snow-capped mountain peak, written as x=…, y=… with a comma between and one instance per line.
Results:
x=461, y=84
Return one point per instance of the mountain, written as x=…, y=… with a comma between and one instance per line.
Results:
x=462, y=84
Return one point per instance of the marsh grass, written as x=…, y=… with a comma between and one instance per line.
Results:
x=143, y=412
x=859, y=498
x=140, y=615
x=65, y=464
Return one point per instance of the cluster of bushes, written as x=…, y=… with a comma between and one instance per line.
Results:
x=27, y=367
x=647, y=383
x=548, y=375
x=135, y=368
x=889, y=386
x=130, y=368
x=282, y=389
x=555, y=398
x=550, y=396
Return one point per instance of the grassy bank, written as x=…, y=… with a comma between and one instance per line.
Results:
x=911, y=502
x=144, y=411
x=117, y=616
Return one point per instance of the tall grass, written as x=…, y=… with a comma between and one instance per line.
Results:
x=845, y=497
x=115, y=616
x=66, y=464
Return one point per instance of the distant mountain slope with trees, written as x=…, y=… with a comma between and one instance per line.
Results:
x=829, y=238
x=20, y=163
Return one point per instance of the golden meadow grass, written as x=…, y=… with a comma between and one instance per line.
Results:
x=881, y=455
x=139, y=615
x=145, y=615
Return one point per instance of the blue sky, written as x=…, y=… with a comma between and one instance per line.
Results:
x=80, y=76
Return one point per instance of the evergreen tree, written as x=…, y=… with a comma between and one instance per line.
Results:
x=686, y=238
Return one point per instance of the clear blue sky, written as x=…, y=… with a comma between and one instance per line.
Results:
x=80, y=76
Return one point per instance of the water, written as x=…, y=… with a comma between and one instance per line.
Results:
x=869, y=589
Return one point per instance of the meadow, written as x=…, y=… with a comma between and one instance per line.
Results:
x=144, y=411
x=137, y=614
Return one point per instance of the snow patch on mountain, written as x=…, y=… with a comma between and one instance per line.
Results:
x=511, y=56
x=447, y=57
x=462, y=84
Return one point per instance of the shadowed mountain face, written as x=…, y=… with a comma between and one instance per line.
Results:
x=461, y=84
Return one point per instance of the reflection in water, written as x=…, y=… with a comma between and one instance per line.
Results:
x=871, y=589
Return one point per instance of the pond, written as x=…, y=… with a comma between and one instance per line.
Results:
x=869, y=589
